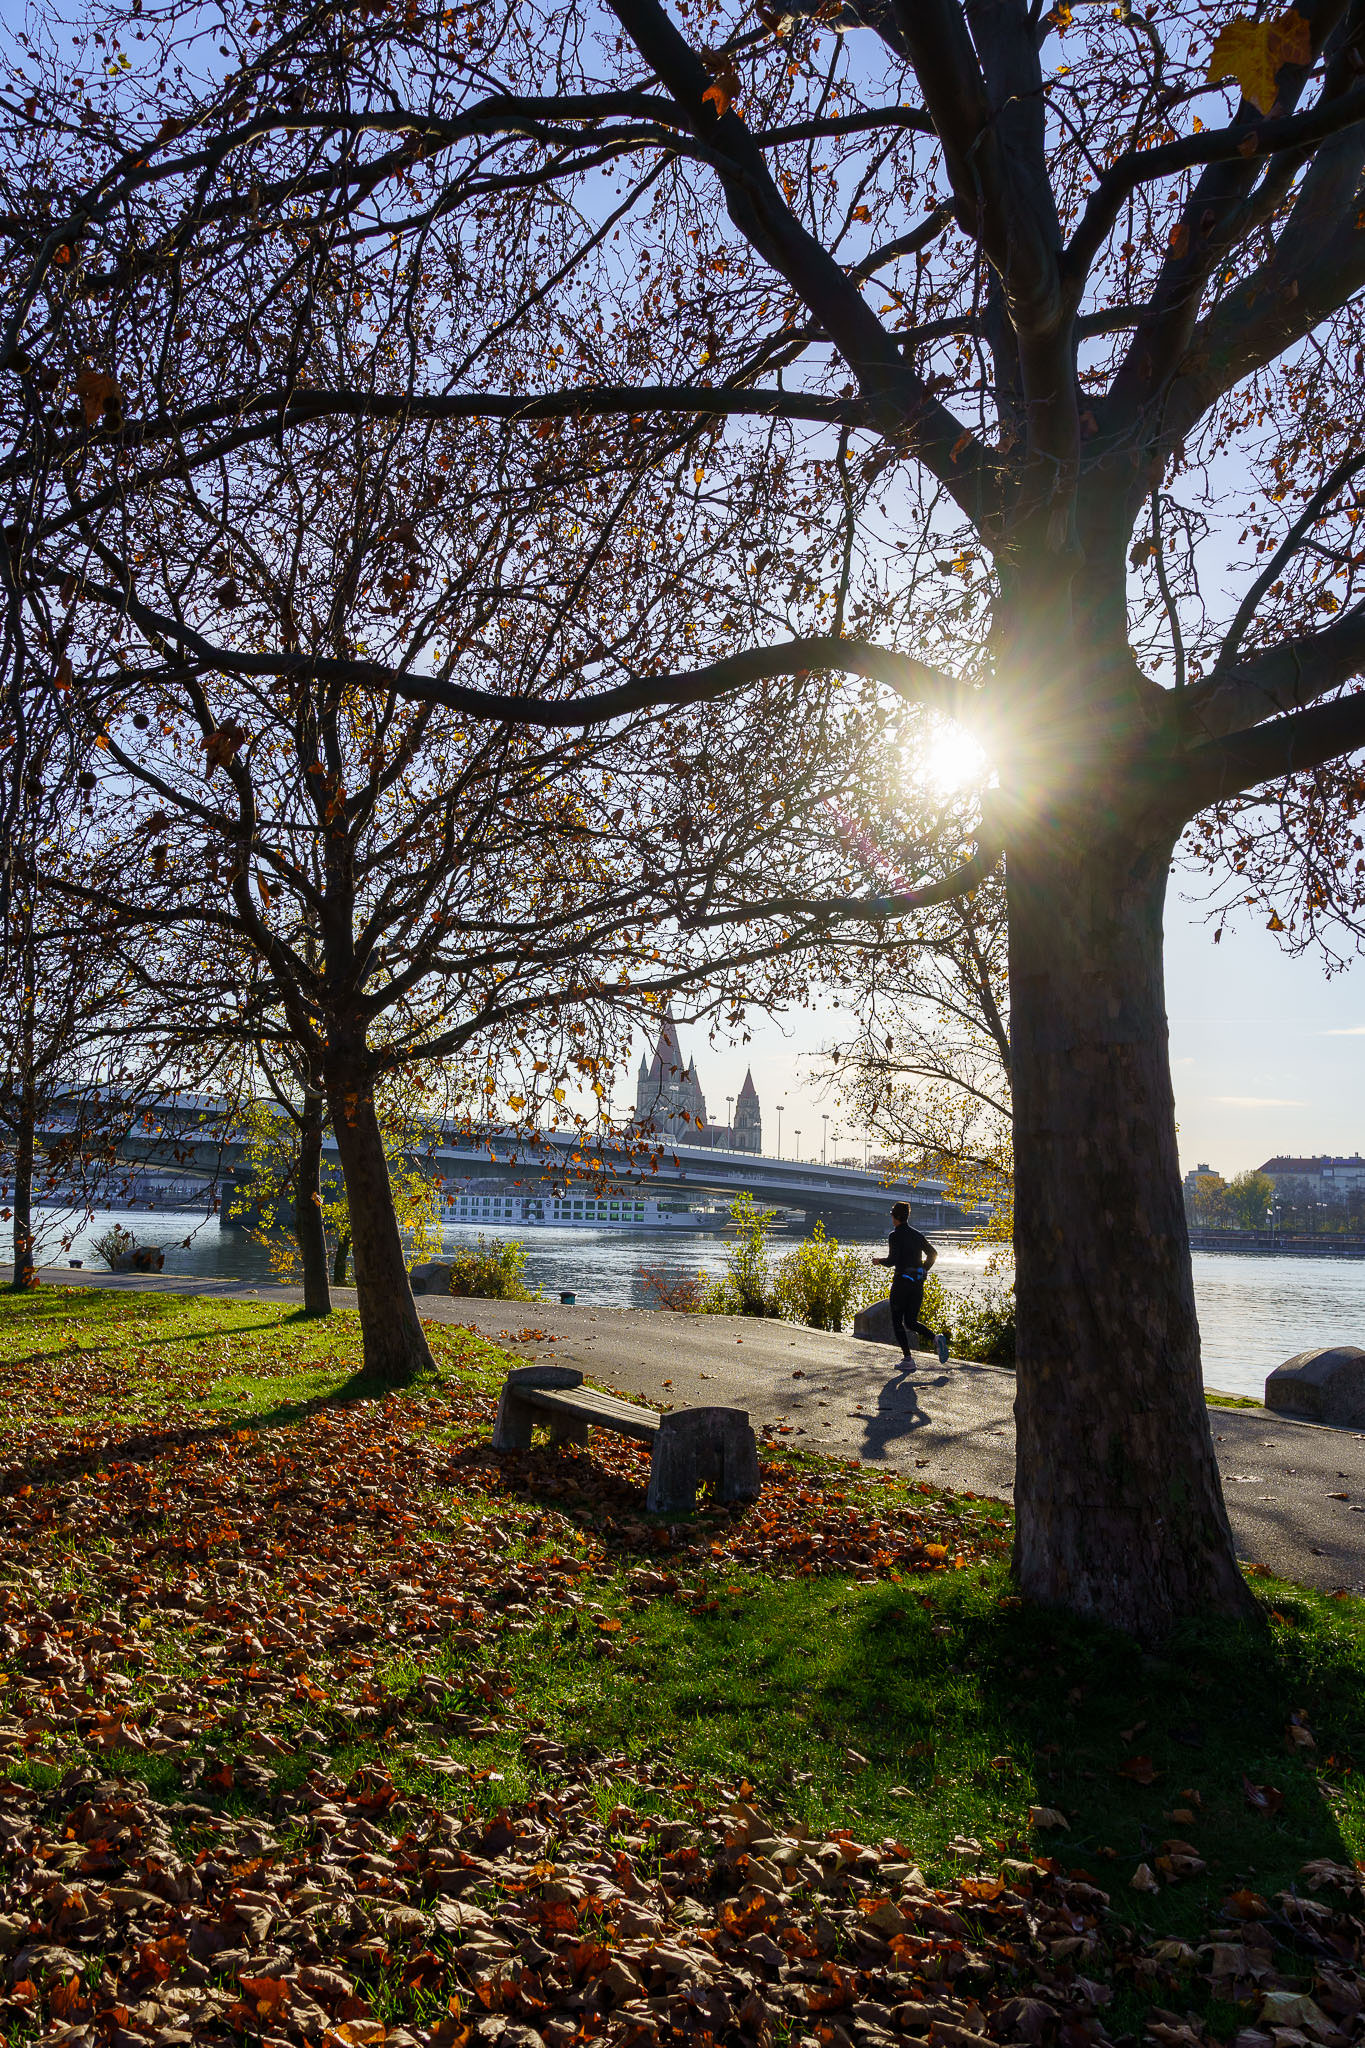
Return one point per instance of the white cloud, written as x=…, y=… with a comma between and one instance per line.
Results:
x=1260, y=1101
x=1345, y=1031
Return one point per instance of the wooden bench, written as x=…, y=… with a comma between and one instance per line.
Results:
x=689, y=1445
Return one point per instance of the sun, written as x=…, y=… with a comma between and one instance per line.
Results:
x=949, y=760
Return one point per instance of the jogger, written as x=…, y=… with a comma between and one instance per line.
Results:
x=911, y=1258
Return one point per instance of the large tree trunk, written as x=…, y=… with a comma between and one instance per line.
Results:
x=308, y=1226
x=1119, y=1504
x=396, y=1351
x=25, y=1270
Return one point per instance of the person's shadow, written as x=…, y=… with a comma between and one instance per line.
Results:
x=899, y=1410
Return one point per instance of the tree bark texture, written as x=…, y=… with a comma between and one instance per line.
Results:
x=25, y=1271
x=1119, y=1505
x=341, y=1260
x=308, y=1226
x=395, y=1349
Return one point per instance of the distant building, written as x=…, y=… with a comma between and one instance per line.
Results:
x=668, y=1094
x=1330, y=1177
x=747, y=1135
x=669, y=1098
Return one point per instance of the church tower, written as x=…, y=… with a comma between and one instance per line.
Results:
x=668, y=1094
x=747, y=1135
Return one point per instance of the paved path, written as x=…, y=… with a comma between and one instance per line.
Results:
x=953, y=1425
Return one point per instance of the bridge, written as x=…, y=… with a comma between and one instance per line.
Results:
x=194, y=1137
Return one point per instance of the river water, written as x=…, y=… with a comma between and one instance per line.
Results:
x=1254, y=1312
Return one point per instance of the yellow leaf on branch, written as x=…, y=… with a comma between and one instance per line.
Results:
x=1253, y=53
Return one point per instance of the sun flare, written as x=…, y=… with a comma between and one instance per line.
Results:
x=950, y=760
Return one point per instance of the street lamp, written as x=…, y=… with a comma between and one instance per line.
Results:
x=798, y=1148
x=730, y=1121
x=867, y=1147
x=824, y=1142
x=780, y=1107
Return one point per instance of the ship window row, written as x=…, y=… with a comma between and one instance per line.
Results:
x=492, y=1205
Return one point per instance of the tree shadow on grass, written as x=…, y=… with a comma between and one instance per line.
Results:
x=47, y=1305
x=939, y=1712
x=1136, y=1749
x=147, y=1445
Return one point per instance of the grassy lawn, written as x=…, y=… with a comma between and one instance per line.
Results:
x=396, y=1695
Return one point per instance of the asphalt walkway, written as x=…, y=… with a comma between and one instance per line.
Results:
x=1295, y=1490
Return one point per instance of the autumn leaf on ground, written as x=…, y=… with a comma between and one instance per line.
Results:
x=1293, y=2009
x=1140, y=1769
x=1262, y=1799
x=1253, y=52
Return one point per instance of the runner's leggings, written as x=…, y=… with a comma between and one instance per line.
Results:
x=907, y=1292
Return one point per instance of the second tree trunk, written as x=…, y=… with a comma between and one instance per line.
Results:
x=395, y=1348
x=308, y=1225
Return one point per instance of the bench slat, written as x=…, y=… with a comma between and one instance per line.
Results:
x=604, y=1409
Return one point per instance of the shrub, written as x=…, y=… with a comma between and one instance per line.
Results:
x=683, y=1292
x=114, y=1246
x=491, y=1272
x=983, y=1326
x=745, y=1288
x=818, y=1284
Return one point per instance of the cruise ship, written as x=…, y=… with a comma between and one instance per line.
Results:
x=570, y=1211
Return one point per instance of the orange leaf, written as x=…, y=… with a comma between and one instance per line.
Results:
x=271, y=1994
x=67, y=2000
x=724, y=86
x=99, y=394
x=1253, y=52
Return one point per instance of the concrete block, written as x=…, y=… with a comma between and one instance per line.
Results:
x=874, y=1322
x=431, y=1277
x=1326, y=1385
x=697, y=1445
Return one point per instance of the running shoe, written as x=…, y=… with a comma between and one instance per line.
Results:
x=942, y=1347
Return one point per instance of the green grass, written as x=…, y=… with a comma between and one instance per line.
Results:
x=149, y=1358
x=942, y=1710
x=934, y=1710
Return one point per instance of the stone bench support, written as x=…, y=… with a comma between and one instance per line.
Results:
x=690, y=1446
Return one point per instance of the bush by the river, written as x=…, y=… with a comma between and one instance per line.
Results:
x=817, y=1283
x=979, y=1326
x=821, y=1284
x=491, y=1271
x=982, y=1325
x=115, y=1246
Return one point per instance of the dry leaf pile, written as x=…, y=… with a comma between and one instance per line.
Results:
x=356, y=1915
